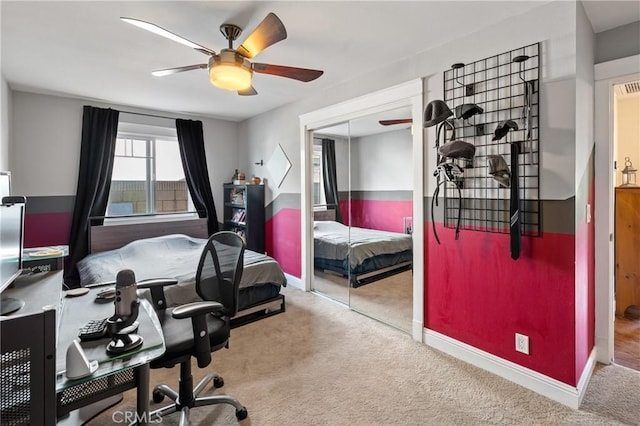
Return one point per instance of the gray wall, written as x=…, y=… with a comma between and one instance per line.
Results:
x=382, y=162
x=45, y=144
x=553, y=24
x=5, y=122
x=618, y=42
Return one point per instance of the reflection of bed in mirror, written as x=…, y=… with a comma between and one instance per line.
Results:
x=172, y=250
x=364, y=255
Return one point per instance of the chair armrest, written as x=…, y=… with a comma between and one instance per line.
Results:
x=198, y=312
x=191, y=310
x=156, y=287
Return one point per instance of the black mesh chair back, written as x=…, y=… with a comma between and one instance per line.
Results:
x=218, y=284
x=220, y=270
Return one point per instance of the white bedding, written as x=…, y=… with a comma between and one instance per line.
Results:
x=333, y=240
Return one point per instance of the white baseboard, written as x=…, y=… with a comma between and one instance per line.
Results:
x=587, y=372
x=556, y=390
x=294, y=281
x=417, y=330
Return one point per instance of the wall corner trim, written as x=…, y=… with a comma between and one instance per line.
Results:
x=563, y=393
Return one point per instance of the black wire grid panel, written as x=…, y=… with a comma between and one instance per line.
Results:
x=497, y=85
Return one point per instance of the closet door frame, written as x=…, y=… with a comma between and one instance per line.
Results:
x=402, y=95
x=606, y=76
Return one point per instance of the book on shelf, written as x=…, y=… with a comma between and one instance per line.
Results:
x=238, y=215
x=237, y=196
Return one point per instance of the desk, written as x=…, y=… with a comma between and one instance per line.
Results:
x=114, y=374
x=44, y=259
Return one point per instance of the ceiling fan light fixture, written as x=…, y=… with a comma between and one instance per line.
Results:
x=230, y=71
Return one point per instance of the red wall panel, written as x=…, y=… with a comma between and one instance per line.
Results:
x=383, y=215
x=477, y=294
x=47, y=229
x=585, y=286
x=282, y=232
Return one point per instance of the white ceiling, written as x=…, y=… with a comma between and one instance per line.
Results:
x=607, y=14
x=82, y=48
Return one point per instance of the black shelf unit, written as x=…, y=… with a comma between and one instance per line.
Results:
x=244, y=213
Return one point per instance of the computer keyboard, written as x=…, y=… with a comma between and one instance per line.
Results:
x=94, y=329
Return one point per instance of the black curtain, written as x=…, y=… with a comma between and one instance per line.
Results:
x=329, y=175
x=98, y=144
x=194, y=163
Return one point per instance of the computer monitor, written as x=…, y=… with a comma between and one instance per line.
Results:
x=5, y=184
x=12, y=212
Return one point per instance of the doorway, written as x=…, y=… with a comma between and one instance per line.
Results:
x=409, y=96
x=626, y=154
x=607, y=75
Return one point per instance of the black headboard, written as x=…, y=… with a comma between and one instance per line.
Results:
x=324, y=214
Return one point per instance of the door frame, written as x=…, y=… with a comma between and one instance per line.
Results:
x=405, y=94
x=606, y=75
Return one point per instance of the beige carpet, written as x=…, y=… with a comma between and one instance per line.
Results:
x=389, y=300
x=322, y=364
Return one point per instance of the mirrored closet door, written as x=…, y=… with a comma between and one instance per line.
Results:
x=362, y=237
x=330, y=198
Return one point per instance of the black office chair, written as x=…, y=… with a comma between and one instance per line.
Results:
x=217, y=283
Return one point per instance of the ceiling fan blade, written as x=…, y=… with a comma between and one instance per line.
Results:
x=248, y=92
x=397, y=121
x=270, y=31
x=167, y=34
x=169, y=71
x=302, y=74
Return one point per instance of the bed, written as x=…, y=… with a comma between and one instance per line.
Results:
x=172, y=250
x=363, y=255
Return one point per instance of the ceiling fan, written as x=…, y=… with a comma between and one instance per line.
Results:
x=396, y=121
x=231, y=69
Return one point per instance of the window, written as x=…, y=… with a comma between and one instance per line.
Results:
x=318, y=182
x=147, y=177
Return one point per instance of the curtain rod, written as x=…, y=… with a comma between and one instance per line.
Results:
x=147, y=115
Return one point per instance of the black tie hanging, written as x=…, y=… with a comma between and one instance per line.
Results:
x=514, y=202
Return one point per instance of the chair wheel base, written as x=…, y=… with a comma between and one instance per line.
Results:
x=242, y=413
x=218, y=382
x=158, y=396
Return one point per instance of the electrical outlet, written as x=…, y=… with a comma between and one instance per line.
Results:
x=522, y=343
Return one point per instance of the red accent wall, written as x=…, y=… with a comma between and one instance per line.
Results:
x=344, y=211
x=282, y=232
x=383, y=215
x=585, y=285
x=477, y=294
x=47, y=229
